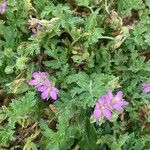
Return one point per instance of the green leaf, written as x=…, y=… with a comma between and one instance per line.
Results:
x=89, y=139
x=125, y=6
x=120, y=142
x=83, y=2
x=54, y=64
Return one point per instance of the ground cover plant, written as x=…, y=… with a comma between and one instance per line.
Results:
x=75, y=74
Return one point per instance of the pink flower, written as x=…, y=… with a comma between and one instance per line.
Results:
x=146, y=88
x=107, y=104
x=116, y=102
x=39, y=79
x=43, y=85
x=3, y=7
x=48, y=91
x=102, y=109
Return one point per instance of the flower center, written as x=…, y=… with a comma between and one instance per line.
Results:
x=102, y=107
x=49, y=88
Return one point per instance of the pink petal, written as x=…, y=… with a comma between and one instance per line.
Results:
x=117, y=107
x=39, y=85
x=97, y=106
x=53, y=95
x=41, y=88
x=35, y=75
x=44, y=95
x=33, y=82
x=119, y=96
x=55, y=89
x=146, y=89
x=3, y=7
x=110, y=94
x=97, y=114
x=47, y=82
x=109, y=97
x=42, y=74
x=101, y=100
x=124, y=103
x=107, y=114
